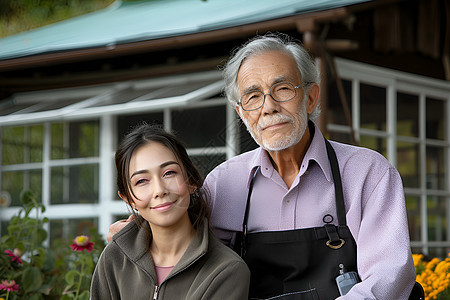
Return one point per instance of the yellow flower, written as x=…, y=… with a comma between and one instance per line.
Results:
x=434, y=276
x=417, y=258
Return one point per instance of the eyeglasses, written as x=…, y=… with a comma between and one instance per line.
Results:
x=280, y=92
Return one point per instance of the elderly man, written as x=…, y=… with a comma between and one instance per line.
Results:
x=283, y=206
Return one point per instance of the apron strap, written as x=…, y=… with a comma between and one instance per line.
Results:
x=247, y=208
x=340, y=204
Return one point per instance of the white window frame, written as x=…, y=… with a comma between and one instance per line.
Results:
x=396, y=81
x=108, y=206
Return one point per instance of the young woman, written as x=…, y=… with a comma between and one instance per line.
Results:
x=168, y=250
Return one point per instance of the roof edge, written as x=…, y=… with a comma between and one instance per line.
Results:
x=286, y=23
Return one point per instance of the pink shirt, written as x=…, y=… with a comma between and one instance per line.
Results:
x=374, y=202
x=162, y=272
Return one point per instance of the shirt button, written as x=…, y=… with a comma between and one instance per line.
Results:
x=306, y=172
x=287, y=201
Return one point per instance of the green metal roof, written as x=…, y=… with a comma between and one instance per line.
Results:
x=134, y=21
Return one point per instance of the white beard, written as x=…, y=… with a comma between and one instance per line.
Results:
x=299, y=122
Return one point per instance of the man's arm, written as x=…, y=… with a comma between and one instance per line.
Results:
x=117, y=226
x=383, y=247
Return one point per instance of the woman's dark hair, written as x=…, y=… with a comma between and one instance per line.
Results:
x=143, y=135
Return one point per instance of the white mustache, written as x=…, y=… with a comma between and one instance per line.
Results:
x=272, y=120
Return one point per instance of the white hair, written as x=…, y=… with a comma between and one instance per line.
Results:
x=271, y=42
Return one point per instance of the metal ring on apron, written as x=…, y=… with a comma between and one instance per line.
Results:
x=337, y=246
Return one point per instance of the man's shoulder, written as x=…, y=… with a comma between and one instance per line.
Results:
x=354, y=158
x=358, y=152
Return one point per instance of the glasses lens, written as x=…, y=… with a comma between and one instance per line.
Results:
x=283, y=91
x=252, y=100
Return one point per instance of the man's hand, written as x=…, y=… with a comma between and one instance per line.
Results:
x=117, y=226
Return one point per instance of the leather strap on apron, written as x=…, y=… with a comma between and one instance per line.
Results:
x=300, y=263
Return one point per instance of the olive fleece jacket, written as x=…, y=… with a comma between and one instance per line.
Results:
x=207, y=270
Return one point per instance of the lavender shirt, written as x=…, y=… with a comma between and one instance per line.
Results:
x=374, y=202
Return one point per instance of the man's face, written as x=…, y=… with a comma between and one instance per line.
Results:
x=275, y=126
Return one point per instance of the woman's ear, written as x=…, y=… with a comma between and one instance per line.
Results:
x=192, y=188
x=133, y=205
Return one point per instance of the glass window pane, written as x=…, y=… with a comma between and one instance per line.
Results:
x=439, y=252
x=436, y=168
x=373, y=107
x=200, y=127
x=437, y=218
x=436, y=120
x=407, y=115
x=68, y=229
x=13, y=140
x=342, y=137
x=246, y=142
x=36, y=143
x=205, y=163
x=128, y=122
x=408, y=164
x=22, y=144
x=74, y=184
x=15, y=182
x=414, y=217
x=335, y=112
x=4, y=228
x=374, y=143
x=75, y=139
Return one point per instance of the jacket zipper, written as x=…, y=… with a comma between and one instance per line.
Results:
x=155, y=295
x=157, y=287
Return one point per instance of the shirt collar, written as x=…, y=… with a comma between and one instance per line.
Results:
x=316, y=152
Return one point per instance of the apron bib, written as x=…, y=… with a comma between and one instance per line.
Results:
x=303, y=263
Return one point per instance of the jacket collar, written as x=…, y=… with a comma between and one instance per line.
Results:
x=134, y=241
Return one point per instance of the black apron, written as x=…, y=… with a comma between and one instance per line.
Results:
x=301, y=263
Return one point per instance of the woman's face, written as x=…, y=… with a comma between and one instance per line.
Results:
x=159, y=183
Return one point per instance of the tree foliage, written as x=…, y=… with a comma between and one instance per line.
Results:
x=22, y=15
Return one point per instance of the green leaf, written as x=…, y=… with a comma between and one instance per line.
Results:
x=89, y=264
x=34, y=297
x=70, y=276
x=84, y=295
x=39, y=258
x=20, y=246
x=31, y=279
x=42, y=234
x=28, y=198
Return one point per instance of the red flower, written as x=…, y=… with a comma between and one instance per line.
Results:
x=9, y=286
x=14, y=257
x=81, y=242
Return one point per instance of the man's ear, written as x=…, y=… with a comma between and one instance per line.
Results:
x=237, y=108
x=313, y=98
